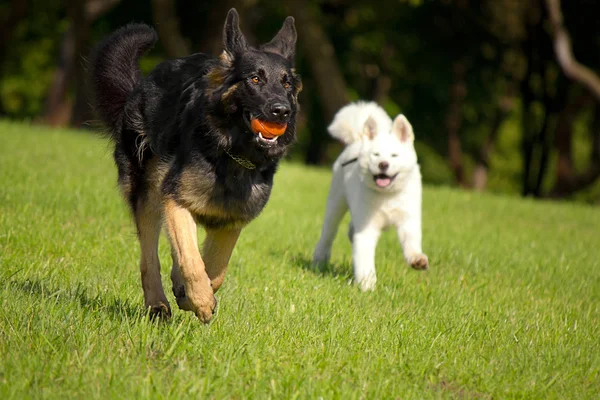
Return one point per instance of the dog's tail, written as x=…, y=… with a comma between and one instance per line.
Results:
x=115, y=72
x=348, y=125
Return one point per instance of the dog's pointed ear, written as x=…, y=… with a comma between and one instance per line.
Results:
x=284, y=43
x=370, y=128
x=403, y=129
x=234, y=41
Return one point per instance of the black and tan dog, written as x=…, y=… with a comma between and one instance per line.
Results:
x=197, y=141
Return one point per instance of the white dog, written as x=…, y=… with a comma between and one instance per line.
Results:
x=377, y=177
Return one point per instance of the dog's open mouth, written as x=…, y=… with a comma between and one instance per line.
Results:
x=266, y=132
x=382, y=180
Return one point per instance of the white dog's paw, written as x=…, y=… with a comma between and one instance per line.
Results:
x=419, y=261
x=367, y=283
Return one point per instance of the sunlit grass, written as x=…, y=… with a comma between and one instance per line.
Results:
x=508, y=309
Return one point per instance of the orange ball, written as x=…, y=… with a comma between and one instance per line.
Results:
x=268, y=129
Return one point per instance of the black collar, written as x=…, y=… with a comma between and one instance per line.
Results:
x=244, y=162
x=349, y=161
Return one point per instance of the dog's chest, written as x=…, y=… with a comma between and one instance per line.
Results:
x=387, y=211
x=220, y=199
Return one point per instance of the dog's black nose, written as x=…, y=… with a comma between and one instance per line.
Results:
x=384, y=166
x=280, y=110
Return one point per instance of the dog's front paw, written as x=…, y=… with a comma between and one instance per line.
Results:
x=367, y=283
x=200, y=301
x=419, y=261
x=205, y=309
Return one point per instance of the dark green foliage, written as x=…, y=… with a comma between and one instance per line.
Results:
x=403, y=54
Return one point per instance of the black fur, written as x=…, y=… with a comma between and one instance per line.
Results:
x=189, y=113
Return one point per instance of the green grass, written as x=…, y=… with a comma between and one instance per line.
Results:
x=508, y=309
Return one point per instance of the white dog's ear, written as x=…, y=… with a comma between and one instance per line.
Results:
x=403, y=129
x=370, y=128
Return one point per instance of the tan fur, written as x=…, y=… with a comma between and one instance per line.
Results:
x=217, y=75
x=194, y=194
x=157, y=170
x=299, y=86
x=195, y=278
x=225, y=99
x=181, y=228
x=148, y=218
x=226, y=59
x=216, y=252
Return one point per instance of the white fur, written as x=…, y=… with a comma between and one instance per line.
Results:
x=373, y=138
x=347, y=124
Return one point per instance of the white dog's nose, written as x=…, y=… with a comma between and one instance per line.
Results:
x=383, y=166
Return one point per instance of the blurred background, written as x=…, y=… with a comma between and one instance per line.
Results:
x=492, y=105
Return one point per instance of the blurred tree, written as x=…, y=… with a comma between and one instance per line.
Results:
x=71, y=72
x=166, y=22
x=497, y=98
x=9, y=20
x=568, y=180
x=28, y=57
x=328, y=79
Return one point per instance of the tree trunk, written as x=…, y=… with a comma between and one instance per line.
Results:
x=211, y=41
x=480, y=175
x=458, y=92
x=71, y=67
x=530, y=133
x=552, y=106
x=165, y=18
x=329, y=81
x=526, y=140
x=81, y=26
x=542, y=145
x=58, y=107
x=564, y=52
x=18, y=12
x=382, y=83
x=321, y=56
x=567, y=180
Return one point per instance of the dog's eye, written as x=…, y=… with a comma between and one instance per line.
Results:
x=376, y=154
x=286, y=85
x=255, y=79
x=394, y=155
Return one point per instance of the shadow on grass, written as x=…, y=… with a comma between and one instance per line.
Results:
x=114, y=308
x=342, y=270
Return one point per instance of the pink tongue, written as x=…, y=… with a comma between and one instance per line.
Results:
x=382, y=182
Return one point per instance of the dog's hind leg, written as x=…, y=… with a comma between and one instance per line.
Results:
x=148, y=219
x=335, y=210
x=182, y=232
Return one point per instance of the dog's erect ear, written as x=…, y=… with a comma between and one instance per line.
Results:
x=284, y=43
x=403, y=129
x=234, y=40
x=370, y=128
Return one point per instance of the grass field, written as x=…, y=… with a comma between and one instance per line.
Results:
x=508, y=309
